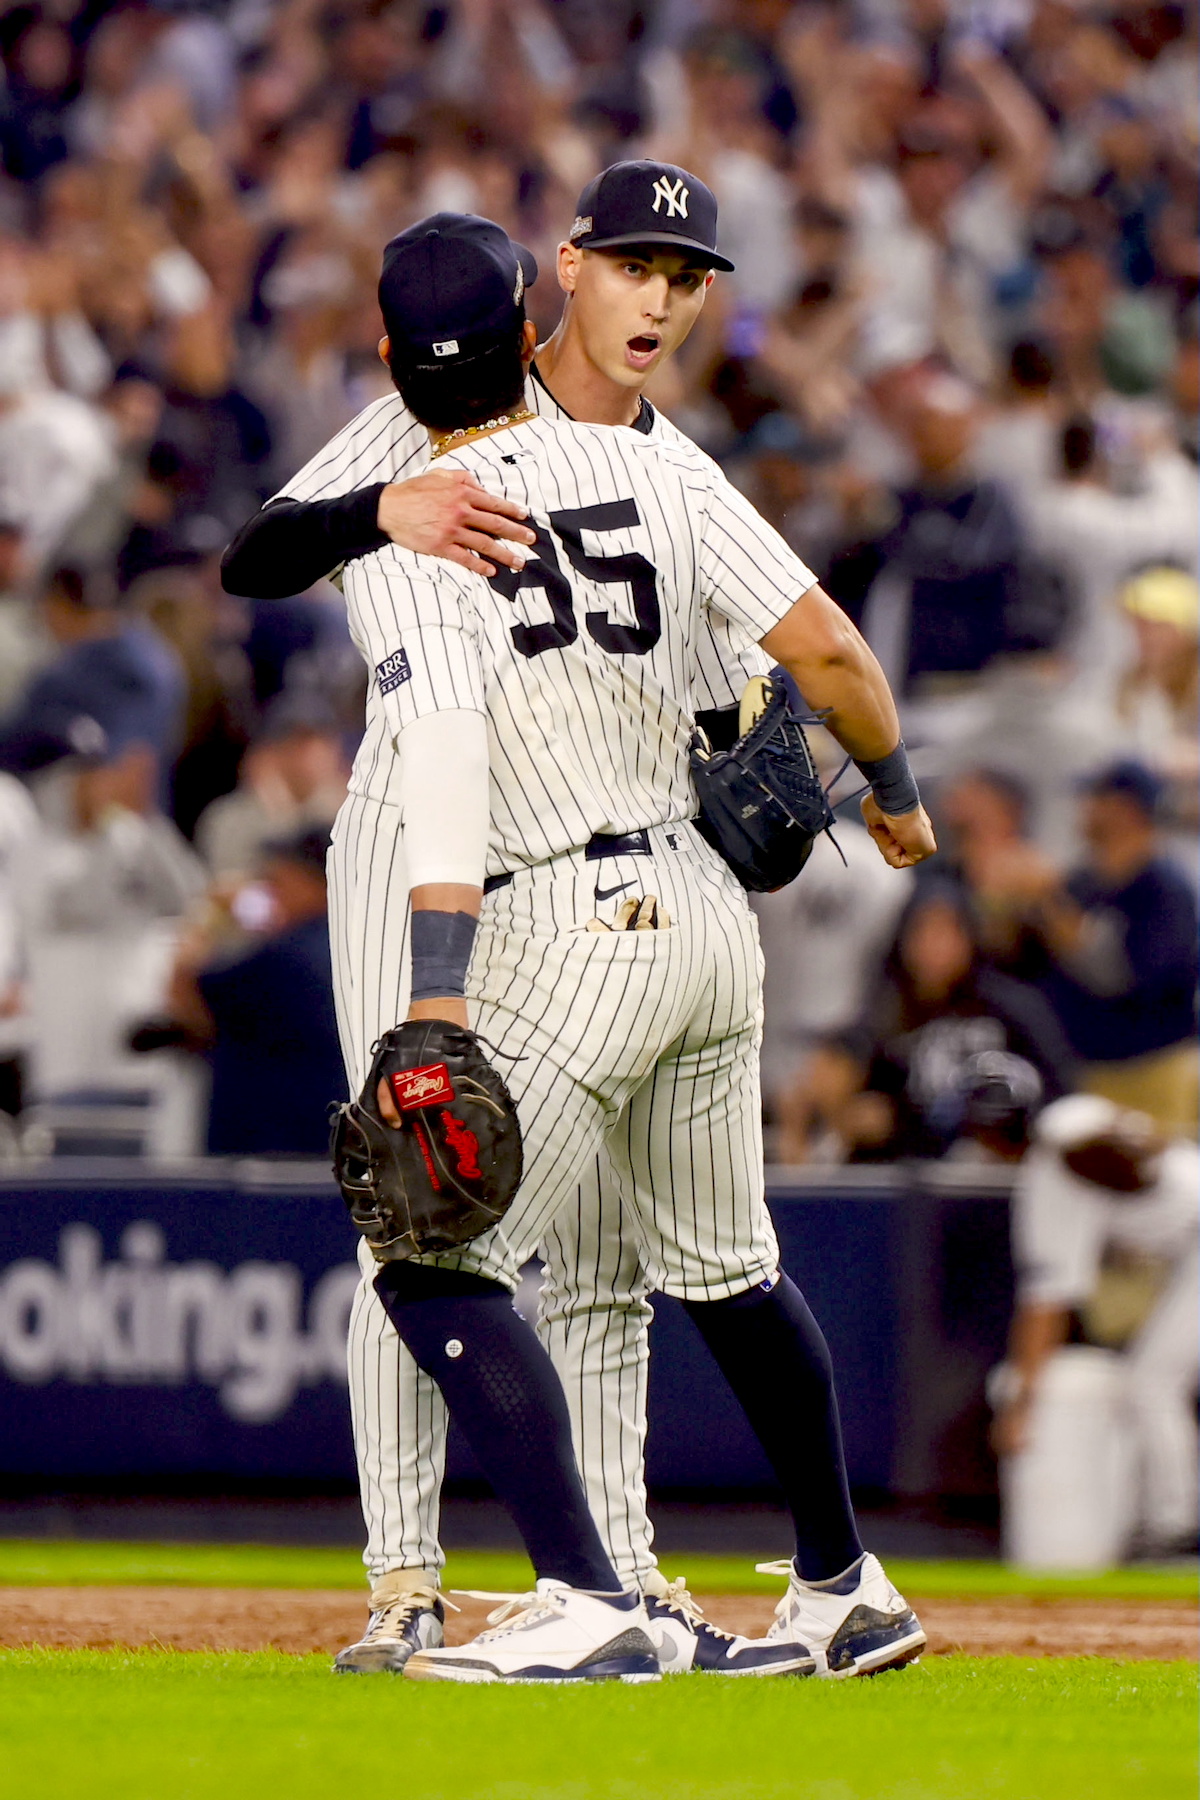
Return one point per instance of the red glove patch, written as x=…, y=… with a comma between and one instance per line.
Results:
x=430, y=1086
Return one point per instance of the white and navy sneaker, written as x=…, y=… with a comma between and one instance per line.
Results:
x=687, y=1642
x=406, y=1615
x=856, y=1624
x=557, y=1633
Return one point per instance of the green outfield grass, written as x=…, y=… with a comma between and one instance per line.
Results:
x=77, y=1563
x=161, y=1726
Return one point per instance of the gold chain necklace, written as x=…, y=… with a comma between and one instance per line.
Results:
x=453, y=438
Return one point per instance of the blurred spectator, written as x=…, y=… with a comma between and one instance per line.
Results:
x=54, y=453
x=102, y=888
x=823, y=939
x=130, y=414
x=941, y=233
x=114, y=683
x=1104, y=1241
x=45, y=337
x=293, y=777
x=212, y=442
x=1019, y=444
x=1102, y=536
x=984, y=817
x=205, y=627
x=18, y=831
x=23, y=644
x=40, y=66
x=266, y=1014
x=1159, y=697
x=1120, y=934
x=946, y=581
x=894, y=1085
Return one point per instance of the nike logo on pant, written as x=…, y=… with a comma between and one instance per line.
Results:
x=607, y=893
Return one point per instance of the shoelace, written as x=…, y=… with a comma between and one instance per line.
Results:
x=783, y=1566
x=516, y=1612
x=678, y=1599
x=397, y=1613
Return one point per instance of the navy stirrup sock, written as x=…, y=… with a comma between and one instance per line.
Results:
x=774, y=1356
x=502, y=1388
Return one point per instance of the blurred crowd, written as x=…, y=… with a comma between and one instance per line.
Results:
x=957, y=367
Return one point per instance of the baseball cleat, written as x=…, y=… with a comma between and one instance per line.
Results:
x=856, y=1624
x=405, y=1617
x=556, y=1633
x=687, y=1642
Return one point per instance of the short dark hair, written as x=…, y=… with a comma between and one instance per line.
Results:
x=1012, y=790
x=1031, y=366
x=1078, y=445
x=1130, y=780
x=89, y=590
x=489, y=383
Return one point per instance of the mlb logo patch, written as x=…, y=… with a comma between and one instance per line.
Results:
x=430, y=1086
x=393, y=671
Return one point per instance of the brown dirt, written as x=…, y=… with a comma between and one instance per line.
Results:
x=300, y=1621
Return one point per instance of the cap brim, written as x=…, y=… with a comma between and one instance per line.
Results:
x=666, y=240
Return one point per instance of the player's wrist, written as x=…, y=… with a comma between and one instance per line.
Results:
x=449, y=1009
x=892, y=782
x=441, y=953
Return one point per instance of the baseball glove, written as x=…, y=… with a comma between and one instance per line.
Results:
x=451, y=1167
x=762, y=804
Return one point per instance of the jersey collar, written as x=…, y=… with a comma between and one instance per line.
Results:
x=643, y=423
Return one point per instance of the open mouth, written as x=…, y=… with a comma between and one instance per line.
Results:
x=642, y=349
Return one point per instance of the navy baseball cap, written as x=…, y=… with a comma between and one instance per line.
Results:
x=649, y=203
x=1129, y=778
x=449, y=285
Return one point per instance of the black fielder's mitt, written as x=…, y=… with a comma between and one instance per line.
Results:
x=451, y=1167
x=762, y=804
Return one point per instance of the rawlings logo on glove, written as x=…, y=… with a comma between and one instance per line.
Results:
x=422, y=1087
x=449, y=1169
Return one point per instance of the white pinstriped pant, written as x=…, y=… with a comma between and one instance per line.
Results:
x=633, y=1061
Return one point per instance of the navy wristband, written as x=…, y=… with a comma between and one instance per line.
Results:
x=441, y=953
x=892, y=782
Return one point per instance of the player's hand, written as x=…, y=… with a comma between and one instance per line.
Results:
x=446, y=513
x=1010, y=1429
x=454, y=1011
x=904, y=840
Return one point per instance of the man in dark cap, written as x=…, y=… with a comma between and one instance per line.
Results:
x=1121, y=933
x=266, y=1016
x=634, y=223
x=114, y=683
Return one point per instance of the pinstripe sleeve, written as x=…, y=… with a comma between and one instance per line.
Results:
x=418, y=624
x=748, y=574
x=382, y=443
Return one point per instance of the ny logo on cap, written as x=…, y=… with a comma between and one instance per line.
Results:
x=675, y=195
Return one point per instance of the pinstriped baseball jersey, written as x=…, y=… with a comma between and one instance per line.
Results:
x=594, y=1307
x=386, y=443
x=584, y=662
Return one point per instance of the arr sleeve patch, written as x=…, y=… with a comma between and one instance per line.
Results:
x=393, y=671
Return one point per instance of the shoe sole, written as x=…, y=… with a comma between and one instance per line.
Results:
x=379, y=1668
x=482, y=1677
x=880, y=1662
x=804, y=1666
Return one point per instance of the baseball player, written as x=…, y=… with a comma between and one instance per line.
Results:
x=618, y=325
x=636, y=1029
x=1104, y=1243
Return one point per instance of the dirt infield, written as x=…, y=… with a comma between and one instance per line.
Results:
x=299, y=1622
